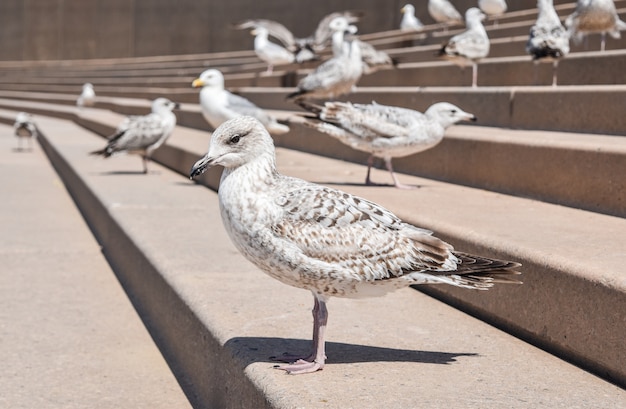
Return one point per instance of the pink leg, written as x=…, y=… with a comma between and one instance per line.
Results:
x=555, y=65
x=316, y=360
x=370, y=163
x=474, y=75
x=395, y=179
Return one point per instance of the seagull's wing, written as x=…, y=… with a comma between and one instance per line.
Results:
x=469, y=44
x=243, y=106
x=137, y=133
x=323, y=32
x=274, y=28
x=335, y=227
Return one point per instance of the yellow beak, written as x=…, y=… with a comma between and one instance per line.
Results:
x=197, y=83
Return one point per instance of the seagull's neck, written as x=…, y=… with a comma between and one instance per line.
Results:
x=259, y=174
x=547, y=13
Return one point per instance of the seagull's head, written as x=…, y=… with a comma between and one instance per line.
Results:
x=209, y=78
x=408, y=8
x=473, y=14
x=447, y=114
x=235, y=143
x=339, y=24
x=162, y=105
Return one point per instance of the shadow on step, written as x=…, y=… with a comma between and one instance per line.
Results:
x=259, y=349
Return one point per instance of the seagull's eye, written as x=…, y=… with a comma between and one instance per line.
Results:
x=235, y=138
x=453, y=111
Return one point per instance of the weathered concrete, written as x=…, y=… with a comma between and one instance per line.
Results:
x=223, y=324
x=69, y=336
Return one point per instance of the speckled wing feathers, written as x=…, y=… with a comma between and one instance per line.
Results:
x=138, y=132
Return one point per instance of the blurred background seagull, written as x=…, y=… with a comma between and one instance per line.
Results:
x=219, y=105
x=143, y=134
x=87, y=97
x=273, y=54
x=24, y=129
x=469, y=46
x=325, y=240
x=444, y=13
x=548, y=39
x=409, y=21
x=594, y=16
x=384, y=131
x=493, y=8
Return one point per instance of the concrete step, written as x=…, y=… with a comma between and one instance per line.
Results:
x=69, y=336
x=495, y=159
x=221, y=333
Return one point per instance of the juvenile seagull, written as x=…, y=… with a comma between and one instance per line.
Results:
x=25, y=128
x=142, y=135
x=548, y=39
x=469, y=46
x=385, y=131
x=493, y=8
x=594, y=16
x=443, y=12
x=219, y=105
x=324, y=240
x=409, y=21
x=334, y=77
x=87, y=97
x=273, y=54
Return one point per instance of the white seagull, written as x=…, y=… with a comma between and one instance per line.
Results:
x=443, y=12
x=273, y=54
x=548, y=39
x=24, y=128
x=409, y=21
x=385, y=131
x=324, y=240
x=87, y=97
x=493, y=8
x=594, y=16
x=469, y=46
x=336, y=76
x=143, y=134
x=219, y=105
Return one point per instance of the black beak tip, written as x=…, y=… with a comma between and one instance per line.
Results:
x=474, y=119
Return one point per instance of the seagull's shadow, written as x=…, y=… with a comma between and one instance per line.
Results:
x=258, y=349
x=126, y=172
x=364, y=185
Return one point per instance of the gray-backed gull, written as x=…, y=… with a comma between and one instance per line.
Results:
x=385, y=131
x=273, y=54
x=324, y=240
x=409, y=22
x=493, y=8
x=219, y=105
x=548, y=39
x=469, y=46
x=143, y=134
x=594, y=16
x=24, y=128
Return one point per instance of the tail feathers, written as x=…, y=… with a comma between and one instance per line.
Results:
x=481, y=273
x=106, y=152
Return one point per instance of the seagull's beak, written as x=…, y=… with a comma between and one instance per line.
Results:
x=403, y=10
x=200, y=166
x=470, y=117
x=197, y=83
x=176, y=105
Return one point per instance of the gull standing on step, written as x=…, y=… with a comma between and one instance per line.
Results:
x=273, y=54
x=143, y=134
x=469, y=46
x=594, y=16
x=548, y=39
x=87, y=97
x=219, y=105
x=385, y=131
x=324, y=240
x=334, y=77
x=443, y=12
x=493, y=8
x=409, y=21
x=25, y=128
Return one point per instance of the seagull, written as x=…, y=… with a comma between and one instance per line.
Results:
x=336, y=76
x=142, y=135
x=325, y=240
x=24, y=128
x=373, y=59
x=301, y=50
x=385, y=131
x=594, y=16
x=219, y=105
x=87, y=97
x=409, y=21
x=548, y=39
x=443, y=12
x=470, y=45
x=273, y=54
x=493, y=8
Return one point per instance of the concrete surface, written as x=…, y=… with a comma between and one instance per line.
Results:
x=68, y=334
x=224, y=318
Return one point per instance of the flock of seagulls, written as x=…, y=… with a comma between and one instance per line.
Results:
x=321, y=239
